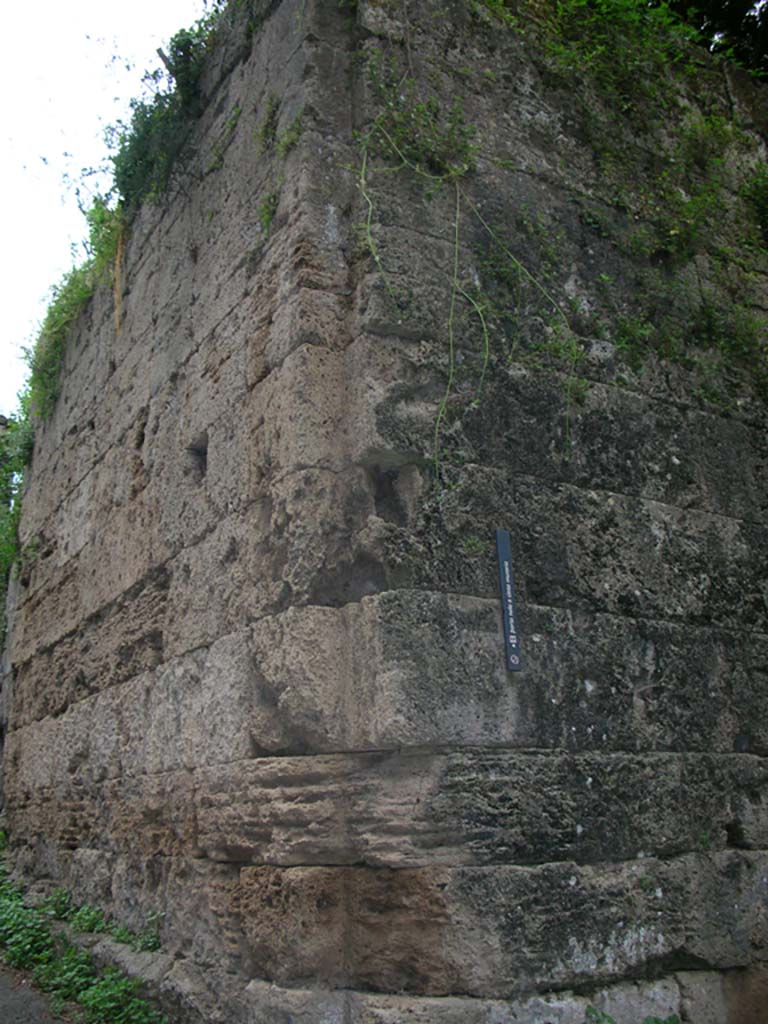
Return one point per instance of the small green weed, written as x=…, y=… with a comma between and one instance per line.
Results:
x=223, y=141
x=499, y=10
x=25, y=938
x=267, y=210
x=88, y=919
x=65, y=975
x=290, y=137
x=755, y=191
x=58, y=967
x=474, y=546
x=112, y=999
x=58, y=905
x=703, y=141
x=147, y=940
x=267, y=131
x=634, y=334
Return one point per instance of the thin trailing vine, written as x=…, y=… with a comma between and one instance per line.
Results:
x=520, y=267
x=480, y=313
x=451, y=328
x=412, y=133
x=572, y=349
x=370, y=242
x=438, y=149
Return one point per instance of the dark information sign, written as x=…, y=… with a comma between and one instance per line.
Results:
x=507, y=585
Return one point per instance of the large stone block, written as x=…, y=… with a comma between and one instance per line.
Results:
x=430, y=669
x=122, y=640
x=497, y=932
x=385, y=810
x=591, y=550
x=414, y=668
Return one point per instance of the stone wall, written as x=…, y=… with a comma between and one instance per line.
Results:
x=255, y=676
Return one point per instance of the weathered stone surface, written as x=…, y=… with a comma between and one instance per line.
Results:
x=117, y=643
x=499, y=931
x=622, y=1002
x=383, y=810
x=595, y=550
x=255, y=676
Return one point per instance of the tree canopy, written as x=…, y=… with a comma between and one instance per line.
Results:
x=736, y=28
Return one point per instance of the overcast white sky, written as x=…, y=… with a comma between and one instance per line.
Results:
x=63, y=79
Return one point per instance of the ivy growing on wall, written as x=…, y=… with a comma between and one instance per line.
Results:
x=629, y=67
x=106, y=226
x=145, y=154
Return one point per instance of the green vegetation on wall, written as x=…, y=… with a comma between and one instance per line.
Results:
x=626, y=47
x=70, y=975
x=599, y=1017
x=16, y=441
x=146, y=150
x=664, y=202
x=626, y=65
x=145, y=154
x=106, y=227
x=675, y=200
